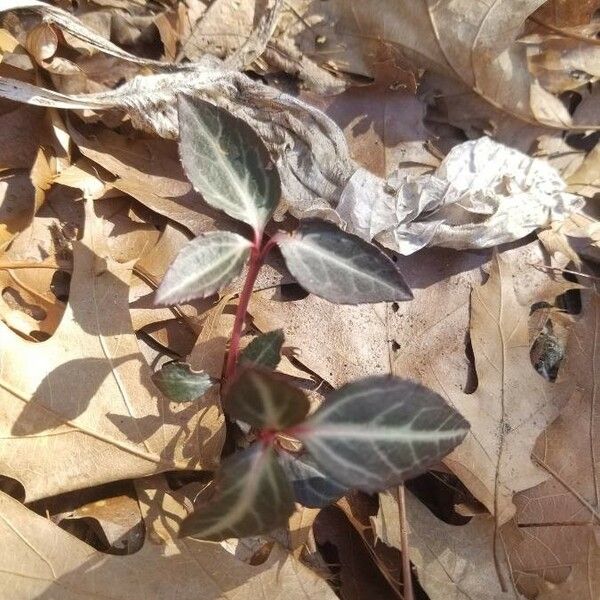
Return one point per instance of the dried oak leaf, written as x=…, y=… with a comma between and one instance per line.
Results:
x=42, y=561
x=80, y=409
x=584, y=581
x=453, y=561
x=474, y=43
x=556, y=516
x=512, y=404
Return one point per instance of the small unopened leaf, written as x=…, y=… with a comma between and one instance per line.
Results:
x=227, y=162
x=264, y=350
x=379, y=431
x=265, y=400
x=179, y=383
x=203, y=267
x=253, y=496
x=312, y=488
x=341, y=267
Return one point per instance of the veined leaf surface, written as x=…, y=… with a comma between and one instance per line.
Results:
x=264, y=350
x=377, y=432
x=227, y=162
x=253, y=496
x=203, y=267
x=312, y=488
x=264, y=400
x=180, y=383
x=341, y=267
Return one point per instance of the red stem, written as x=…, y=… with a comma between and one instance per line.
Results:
x=257, y=257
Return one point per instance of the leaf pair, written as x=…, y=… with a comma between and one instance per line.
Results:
x=228, y=163
x=369, y=435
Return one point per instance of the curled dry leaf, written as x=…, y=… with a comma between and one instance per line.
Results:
x=309, y=150
x=476, y=44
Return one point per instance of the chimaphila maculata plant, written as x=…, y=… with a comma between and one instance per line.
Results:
x=369, y=435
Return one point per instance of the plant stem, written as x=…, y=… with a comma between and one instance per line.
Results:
x=240, y=315
x=407, y=586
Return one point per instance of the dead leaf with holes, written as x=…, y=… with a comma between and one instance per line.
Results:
x=80, y=409
x=556, y=516
x=512, y=404
x=42, y=561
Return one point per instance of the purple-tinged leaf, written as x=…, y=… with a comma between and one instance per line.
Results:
x=227, y=162
x=252, y=497
x=264, y=350
x=341, y=267
x=178, y=382
x=377, y=432
x=312, y=488
x=203, y=267
x=264, y=400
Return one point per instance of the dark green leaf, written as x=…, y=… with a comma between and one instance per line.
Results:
x=341, y=267
x=264, y=350
x=179, y=383
x=252, y=497
x=377, y=432
x=311, y=486
x=203, y=267
x=264, y=400
x=227, y=162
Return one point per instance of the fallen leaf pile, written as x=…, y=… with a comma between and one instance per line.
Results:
x=461, y=137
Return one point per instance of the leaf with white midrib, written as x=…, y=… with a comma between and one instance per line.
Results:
x=252, y=497
x=264, y=350
x=203, y=267
x=178, y=382
x=264, y=399
x=227, y=162
x=341, y=267
x=379, y=431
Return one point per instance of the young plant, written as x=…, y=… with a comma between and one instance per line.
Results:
x=371, y=434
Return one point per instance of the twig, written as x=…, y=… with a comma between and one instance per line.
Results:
x=407, y=586
x=561, y=270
